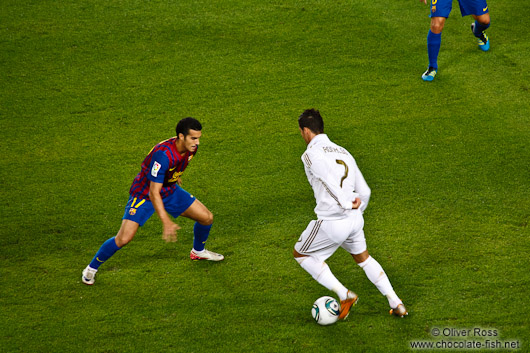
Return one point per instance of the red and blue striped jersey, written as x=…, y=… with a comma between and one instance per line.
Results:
x=164, y=164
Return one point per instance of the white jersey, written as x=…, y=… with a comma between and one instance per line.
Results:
x=335, y=178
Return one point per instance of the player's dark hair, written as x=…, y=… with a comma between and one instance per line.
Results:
x=185, y=125
x=311, y=119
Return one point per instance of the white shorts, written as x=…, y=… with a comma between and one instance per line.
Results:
x=322, y=238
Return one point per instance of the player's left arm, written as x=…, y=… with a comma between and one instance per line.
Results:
x=361, y=188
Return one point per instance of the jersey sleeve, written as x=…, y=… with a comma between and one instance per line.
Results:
x=320, y=169
x=158, y=167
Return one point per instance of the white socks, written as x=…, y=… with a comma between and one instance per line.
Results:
x=378, y=277
x=375, y=273
x=322, y=274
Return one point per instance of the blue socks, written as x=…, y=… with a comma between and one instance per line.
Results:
x=200, y=233
x=434, y=42
x=109, y=247
x=104, y=253
x=479, y=28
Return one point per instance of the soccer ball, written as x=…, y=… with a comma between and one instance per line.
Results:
x=325, y=310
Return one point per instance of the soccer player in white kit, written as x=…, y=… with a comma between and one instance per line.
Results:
x=341, y=195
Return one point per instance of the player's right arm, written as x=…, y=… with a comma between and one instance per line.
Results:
x=158, y=167
x=170, y=228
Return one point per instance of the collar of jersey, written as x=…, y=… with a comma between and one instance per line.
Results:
x=316, y=139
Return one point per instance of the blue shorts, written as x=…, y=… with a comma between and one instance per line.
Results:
x=442, y=8
x=140, y=210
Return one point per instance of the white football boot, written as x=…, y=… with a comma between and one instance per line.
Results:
x=89, y=275
x=205, y=255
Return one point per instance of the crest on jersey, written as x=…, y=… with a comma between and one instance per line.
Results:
x=175, y=177
x=132, y=211
x=155, y=169
x=190, y=157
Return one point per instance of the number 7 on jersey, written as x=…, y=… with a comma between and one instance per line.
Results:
x=339, y=161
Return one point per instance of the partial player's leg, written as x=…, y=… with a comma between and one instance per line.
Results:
x=482, y=22
x=321, y=272
x=110, y=247
x=434, y=42
x=199, y=213
x=311, y=251
x=440, y=11
x=378, y=277
x=201, y=230
x=480, y=12
x=355, y=244
x=137, y=212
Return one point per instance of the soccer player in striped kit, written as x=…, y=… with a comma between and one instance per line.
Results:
x=341, y=195
x=157, y=189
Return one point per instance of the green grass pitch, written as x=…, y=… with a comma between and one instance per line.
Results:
x=88, y=87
